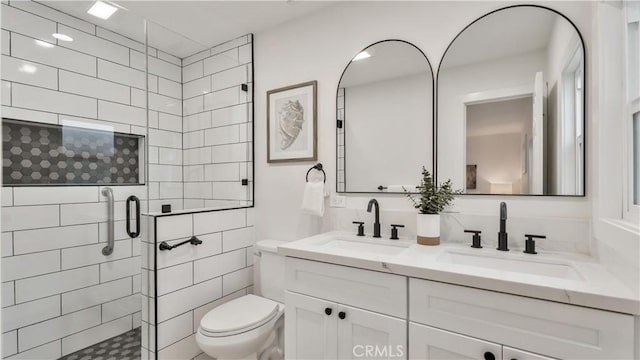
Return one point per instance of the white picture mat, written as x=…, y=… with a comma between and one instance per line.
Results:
x=303, y=146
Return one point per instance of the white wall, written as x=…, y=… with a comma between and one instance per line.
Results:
x=561, y=134
x=324, y=44
x=498, y=158
x=495, y=136
x=455, y=85
x=617, y=242
x=562, y=44
x=388, y=127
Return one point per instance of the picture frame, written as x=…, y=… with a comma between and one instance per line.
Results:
x=472, y=174
x=292, y=124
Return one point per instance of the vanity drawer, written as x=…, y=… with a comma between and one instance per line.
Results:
x=370, y=290
x=545, y=327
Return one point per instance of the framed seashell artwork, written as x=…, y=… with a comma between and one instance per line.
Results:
x=292, y=124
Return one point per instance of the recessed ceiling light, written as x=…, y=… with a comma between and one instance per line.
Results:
x=44, y=44
x=362, y=55
x=102, y=10
x=62, y=37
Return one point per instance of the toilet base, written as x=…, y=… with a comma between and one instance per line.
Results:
x=270, y=351
x=269, y=347
x=252, y=356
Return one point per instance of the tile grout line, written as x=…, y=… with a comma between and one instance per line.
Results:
x=60, y=206
x=192, y=219
x=90, y=55
x=96, y=77
x=67, y=291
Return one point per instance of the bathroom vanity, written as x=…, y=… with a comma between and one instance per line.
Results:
x=349, y=296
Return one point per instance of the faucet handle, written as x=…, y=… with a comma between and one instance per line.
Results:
x=535, y=236
x=475, y=240
x=394, y=231
x=530, y=244
x=360, y=227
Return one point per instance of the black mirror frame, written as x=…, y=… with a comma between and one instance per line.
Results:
x=584, y=102
x=433, y=117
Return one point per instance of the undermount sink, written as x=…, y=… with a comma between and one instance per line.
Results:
x=382, y=247
x=512, y=263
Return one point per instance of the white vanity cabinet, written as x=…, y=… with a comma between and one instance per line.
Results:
x=473, y=320
x=310, y=333
x=426, y=343
x=515, y=354
x=338, y=312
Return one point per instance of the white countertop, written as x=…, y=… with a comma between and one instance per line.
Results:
x=593, y=287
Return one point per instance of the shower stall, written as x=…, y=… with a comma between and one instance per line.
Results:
x=112, y=129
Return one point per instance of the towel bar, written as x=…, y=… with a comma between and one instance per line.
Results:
x=318, y=167
x=193, y=241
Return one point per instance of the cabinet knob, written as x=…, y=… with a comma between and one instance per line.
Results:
x=328, y=311
x=343, y=315
x=489, y=356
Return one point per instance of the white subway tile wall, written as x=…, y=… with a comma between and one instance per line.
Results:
x=217, y=125
x=98, y=78
x=194, y=279
x=59, y=293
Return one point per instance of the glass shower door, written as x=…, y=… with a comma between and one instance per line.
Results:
x=74, y=181
x=200, y=170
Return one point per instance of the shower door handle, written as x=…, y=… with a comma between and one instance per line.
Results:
x=108, y=250
x=133, y=234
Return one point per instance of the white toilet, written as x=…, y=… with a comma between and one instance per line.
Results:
x=250, y=327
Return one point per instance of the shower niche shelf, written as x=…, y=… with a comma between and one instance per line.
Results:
x=39, y=154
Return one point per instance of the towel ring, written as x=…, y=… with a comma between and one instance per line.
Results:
x=318, y=167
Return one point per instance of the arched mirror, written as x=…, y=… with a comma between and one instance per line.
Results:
x=511, y=100
x=384, y=119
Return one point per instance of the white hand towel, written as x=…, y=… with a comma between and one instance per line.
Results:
x=313, y=199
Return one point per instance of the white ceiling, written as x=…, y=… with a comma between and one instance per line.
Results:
x=502, y=34
x=182, y=28
x=389, y=60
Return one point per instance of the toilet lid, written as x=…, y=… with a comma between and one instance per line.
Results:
x=242, y=313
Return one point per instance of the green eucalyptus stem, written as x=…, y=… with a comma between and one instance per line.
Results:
x=433, y=199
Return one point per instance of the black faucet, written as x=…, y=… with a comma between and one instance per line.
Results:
x=502, y=235
x=376, y=224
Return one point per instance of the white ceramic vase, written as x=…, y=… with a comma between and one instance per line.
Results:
x=428, y=229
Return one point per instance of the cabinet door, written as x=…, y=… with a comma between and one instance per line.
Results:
x=558, y=330
x=309, y=332
x=515, y=354
x=429, y=343
x=368, y=335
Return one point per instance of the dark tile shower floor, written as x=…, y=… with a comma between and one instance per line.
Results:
x=122, y=347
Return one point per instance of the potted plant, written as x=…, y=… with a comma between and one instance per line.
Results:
x=433, y=199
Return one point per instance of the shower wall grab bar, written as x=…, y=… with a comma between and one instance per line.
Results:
x=108, y=250
x=133, y=234
x=193, y=241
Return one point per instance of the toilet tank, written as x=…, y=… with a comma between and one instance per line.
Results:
x=268, y=270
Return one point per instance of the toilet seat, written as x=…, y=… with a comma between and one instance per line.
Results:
x=238, y=316
x=243, y=327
